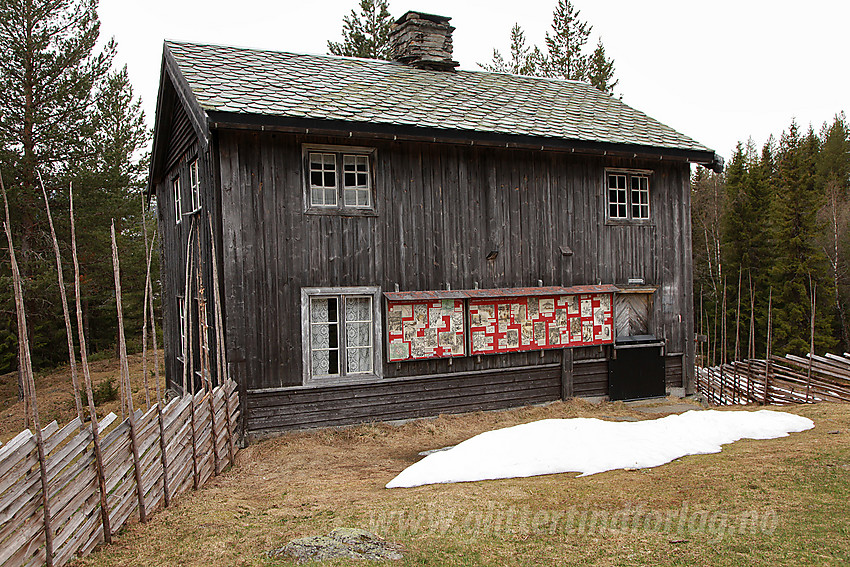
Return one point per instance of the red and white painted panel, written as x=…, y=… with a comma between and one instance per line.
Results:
x=425, y=329
x=514, y=324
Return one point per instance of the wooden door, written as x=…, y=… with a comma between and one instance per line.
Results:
x=631, y=313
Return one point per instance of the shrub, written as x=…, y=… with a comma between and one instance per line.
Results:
x=104, y=392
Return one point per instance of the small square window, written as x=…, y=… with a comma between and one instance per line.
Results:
x=356, y=186
x=339, y=180
x=627, y=196
x=323, y=180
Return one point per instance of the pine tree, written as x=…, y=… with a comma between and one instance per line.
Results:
x=366, y=35
x=600, y=70
x=525, y=59
x=565, y=57
x=49, y=68
x=108, y=184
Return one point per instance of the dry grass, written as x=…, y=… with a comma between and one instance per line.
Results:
x=56, y=394
x=307, y=483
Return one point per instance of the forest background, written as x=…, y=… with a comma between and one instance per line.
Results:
x=774, y=221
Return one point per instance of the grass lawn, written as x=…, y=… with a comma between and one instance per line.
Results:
x=772, y=502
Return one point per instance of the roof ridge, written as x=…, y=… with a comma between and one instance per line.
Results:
x=282, y=52
x=384, y=62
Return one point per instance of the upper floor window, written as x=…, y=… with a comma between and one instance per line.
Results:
x=195, y=185
x=627, y=195
x=178, y=208
x=338, y=179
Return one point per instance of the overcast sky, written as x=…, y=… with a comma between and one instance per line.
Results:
x=718, y=71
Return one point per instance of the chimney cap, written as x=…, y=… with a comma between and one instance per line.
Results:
x=413, y=14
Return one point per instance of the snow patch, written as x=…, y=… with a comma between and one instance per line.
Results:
x=590, y=446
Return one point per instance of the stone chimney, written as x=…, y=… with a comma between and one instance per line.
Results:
x=423, y=41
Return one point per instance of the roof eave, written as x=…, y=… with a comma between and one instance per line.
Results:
x=219, y=120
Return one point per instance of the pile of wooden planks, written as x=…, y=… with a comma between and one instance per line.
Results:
x=780, y=380
x=197, y=444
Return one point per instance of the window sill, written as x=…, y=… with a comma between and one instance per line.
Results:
x=342, y=212
x=348, y=380
x=629, y=222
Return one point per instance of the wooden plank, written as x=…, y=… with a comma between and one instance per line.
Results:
x=376, y=407
x=475, y=405
x=567, y=379
x=392, y=410
x=14, y=446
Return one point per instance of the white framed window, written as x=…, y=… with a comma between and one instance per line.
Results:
x=627, y=195
x=195, y=185
x=181, y=311
x=178, y=207
x=640, y=196
x=323, y=180
x=339, y=180
x=340, y=333
x=356, y=188
x=617, y=206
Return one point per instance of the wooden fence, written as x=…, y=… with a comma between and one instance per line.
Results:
x=180, y=445
x=789, y=380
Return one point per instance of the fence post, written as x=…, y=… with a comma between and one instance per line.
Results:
x=125, y=371
x=221, y=359
x=29, y=383
x=203, y=355
x=769, y=340
x=84, y=361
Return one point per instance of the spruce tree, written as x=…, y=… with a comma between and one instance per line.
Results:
x=366, y=35
x=525, y=59
x=800, y=262
x=600, y=70
x=565, y=57
x=49, y=67
x=708, y=207
x=746, y=236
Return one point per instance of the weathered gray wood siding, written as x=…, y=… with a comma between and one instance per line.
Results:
x=440, y=210
x=401, y=398
x=173, y=237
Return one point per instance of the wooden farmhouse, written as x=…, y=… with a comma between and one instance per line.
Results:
x=394, y=239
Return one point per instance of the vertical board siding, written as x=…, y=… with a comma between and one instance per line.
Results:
x=173, y=240
x=440, y=210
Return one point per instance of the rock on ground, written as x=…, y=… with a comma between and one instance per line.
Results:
x=349, y=543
